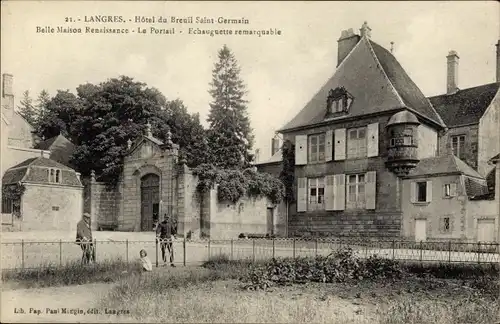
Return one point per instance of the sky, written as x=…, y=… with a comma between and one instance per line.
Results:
x=281, y=73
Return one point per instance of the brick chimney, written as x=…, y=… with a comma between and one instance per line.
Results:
x=275, y=146
x=346, y=43
x=498, y=60
x=7, y=96
x=452, y=72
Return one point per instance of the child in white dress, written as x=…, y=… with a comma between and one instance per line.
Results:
x=145, y=262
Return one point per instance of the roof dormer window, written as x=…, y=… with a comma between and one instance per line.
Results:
x=338, y=102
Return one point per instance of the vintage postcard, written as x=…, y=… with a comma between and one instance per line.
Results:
x=250, y=162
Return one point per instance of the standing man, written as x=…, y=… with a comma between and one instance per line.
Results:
x=84, y=238
x=164, y=232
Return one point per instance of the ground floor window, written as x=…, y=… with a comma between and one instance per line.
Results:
x=7, y=205
x=316, y=199
x=356, y=191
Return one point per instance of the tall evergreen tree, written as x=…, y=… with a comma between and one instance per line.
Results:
x=27, y=109
x=230, y=137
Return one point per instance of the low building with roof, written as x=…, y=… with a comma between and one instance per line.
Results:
x=52, y=197
x=440, y=202
x=40, y=192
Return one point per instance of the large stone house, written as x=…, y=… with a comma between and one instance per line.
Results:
x=53, y=196
x=369, y=133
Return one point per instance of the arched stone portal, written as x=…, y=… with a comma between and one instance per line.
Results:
x=150, y=201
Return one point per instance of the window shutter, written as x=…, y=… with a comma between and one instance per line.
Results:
x=339, y=192
x=329, y=193
x=302, y=195
x=301, y=149
x=429, y=191
x=329, y=145
x=453, y=189
x=413, y=192
x=371, y=189
x=372, y=138
x=339, y=144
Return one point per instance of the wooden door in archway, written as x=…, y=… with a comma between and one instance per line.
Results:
x=150, y=201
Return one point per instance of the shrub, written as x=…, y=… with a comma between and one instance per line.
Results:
x=339, y=266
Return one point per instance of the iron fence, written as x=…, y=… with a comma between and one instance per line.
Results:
x=32, y=254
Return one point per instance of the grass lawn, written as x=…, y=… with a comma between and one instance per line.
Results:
x=214, y=295
x=450, y=294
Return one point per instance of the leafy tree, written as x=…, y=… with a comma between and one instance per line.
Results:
x=113, y=112
x=230, y=137
x=58, y=115
x=186, y=130
x=42, y=100
x=27, y=109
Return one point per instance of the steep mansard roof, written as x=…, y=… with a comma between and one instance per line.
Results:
x=376, y=81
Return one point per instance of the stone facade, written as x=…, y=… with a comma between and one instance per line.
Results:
x=124, y=207
x=50, y=207
x=384, y=220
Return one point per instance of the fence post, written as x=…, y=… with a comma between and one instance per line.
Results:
x=22, y=254
x=94, y=250
x=478, y=252
x=232, y=256
x=274, y=250
x=421, y=251
x=126, y=249
x=60, y=252
x=208, y=248
x=449, y=251
x=315, y=247
x=156, y=247
x=293, y=248
x=393, y=249
x=253, y=250
x=184, y=251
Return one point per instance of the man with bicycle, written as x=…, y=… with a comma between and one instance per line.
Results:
x=84, y=238
x=164, y=233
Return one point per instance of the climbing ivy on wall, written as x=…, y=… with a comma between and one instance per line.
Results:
x=14, y=192
x=287, y=174
x=234, y=184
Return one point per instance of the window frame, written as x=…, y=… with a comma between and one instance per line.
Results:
x=361, y=151
x=318, y=184
x=359, y=201
x=319, y=156
x=460, y=150
x=421, y=185
x=54, y=175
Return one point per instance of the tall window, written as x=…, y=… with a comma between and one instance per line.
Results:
x=54, y=175
x=6, y=205
x=316, y=199
x=458, y=146
x=421, y=191
x=356, y=143
x=356, y=191
x=317, y=148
